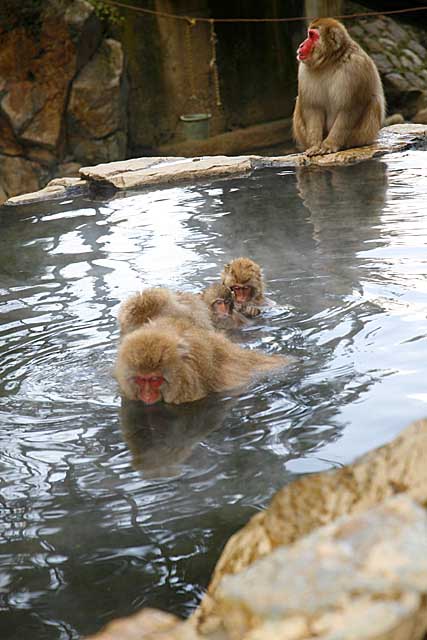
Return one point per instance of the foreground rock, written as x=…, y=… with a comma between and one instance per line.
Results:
x=148, y=624
x=147, y=172
x=318, y=499
x=361, y=577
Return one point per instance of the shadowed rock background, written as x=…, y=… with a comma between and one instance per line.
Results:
x=76, y=90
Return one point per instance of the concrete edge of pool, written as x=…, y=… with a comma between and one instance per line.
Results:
x=146, y=172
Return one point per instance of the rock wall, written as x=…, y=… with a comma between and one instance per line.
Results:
x=400, y=52
x=62, y=98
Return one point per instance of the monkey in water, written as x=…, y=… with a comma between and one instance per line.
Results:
x=159, y=302
x=244, y=277
x=220, y=301
x=174, y=361
x=340, y=101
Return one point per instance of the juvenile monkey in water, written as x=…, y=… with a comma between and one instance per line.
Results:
x=340, y=101
x=174, y=361
x=244, y=277
x=220, y=301
x=159, y=302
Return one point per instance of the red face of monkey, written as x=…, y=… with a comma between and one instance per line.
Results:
x=304, y=51
x=149, y=387
x=242, y=293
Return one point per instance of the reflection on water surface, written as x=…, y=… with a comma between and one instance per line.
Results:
x=107, y=507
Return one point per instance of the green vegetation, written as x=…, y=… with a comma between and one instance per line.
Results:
x=106, y=12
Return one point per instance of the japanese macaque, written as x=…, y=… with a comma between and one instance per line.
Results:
x=244, y=277
x=174, y=361
x=340, y=101
x=159, y=302
x=220, y=301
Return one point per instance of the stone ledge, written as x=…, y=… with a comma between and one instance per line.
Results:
x=147, y=172
x=55, y=189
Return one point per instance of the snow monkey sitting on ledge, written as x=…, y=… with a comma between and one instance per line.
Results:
x=174, y=361
x=244, y=277
x=340, y=101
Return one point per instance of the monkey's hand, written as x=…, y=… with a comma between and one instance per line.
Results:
x=328, y=146
x=315, y=150
x=250, y=311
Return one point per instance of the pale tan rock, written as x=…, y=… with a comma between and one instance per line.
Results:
x=391, y=139
x=361, y=577
x=148, y=624
x=318, y=499
x=57, y=188
x=148, y=171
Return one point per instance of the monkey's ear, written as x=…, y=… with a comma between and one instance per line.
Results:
x=227, y=267
x=183, y=349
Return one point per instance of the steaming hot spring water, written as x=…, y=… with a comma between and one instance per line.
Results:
x=107, y=506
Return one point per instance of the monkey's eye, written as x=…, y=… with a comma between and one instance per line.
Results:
x=313, y=34
x=156, y=381
x=237, y=287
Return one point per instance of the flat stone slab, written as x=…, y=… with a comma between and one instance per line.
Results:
x=154, y=171
x=395, y=138
x=55, y=189
x=362, y=577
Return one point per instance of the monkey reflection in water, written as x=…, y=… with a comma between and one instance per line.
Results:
x=174, y=361
x=161, y=437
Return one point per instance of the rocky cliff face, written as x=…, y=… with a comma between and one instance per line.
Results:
x=62, y=97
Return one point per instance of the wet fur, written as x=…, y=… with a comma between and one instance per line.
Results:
x=194, y=361
x=159, y=302
x=221, y=292
x=340, y=100
x=244, y=271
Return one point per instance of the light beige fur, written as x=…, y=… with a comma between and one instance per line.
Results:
x=221, y=292
x=193, y=361
x=244, y=271
x=340, y=100
x=160, y=302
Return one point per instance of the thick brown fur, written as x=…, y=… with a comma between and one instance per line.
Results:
x=244, y=271
x=340, y=100
x=193, y=361
x=159, y=302
x=216, y=292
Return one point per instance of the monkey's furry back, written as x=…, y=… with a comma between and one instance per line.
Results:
x=194, y=361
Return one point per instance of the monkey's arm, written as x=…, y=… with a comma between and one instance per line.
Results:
x=345, y=123
x=314, y=119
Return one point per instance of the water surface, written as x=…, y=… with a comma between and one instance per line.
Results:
x=107, y=507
